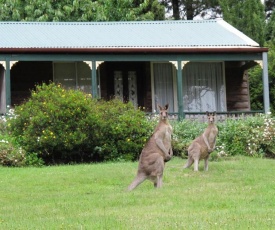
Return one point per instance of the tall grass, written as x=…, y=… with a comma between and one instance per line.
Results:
x=237, y=193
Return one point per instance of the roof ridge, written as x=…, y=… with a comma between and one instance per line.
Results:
x=112, y=22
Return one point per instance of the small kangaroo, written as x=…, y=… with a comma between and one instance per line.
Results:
x=155, y=153
x=203, y=145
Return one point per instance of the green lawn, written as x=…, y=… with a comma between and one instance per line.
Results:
x=237, y=193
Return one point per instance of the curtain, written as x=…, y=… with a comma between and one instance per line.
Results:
x=73, y=75
x=163, y=85
x=203, y=87
x=65, y=74
x=84, y=81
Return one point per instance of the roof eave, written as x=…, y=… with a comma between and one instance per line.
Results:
x=138, y=50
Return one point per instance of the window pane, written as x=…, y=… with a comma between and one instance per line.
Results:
x=203, y=87
x=84, y=81
x=163, y=80
x=65, y=74
x=73, y=75
x=132, y=87
x=118, y=85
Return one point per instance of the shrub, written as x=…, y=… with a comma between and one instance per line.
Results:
x=3, y=120
x=58, y=126
x=10, y=154
x=251, y=136
x=69, y=126
x=124, y=131
x=55, y=123
x=263, y=138
x=184, y=132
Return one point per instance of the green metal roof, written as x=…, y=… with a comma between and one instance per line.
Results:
x=138, y=34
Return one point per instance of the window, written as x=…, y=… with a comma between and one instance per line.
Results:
x=203, y=87
x=73, y=75
x=163, y=85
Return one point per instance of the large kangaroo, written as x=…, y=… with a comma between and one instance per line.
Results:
x=203, y=145
x=155, y=153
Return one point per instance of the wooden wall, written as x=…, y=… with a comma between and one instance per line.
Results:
x=237, y=87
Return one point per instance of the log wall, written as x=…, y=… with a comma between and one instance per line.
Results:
x=237, y=87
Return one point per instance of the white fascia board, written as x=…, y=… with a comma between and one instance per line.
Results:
x=232, y=29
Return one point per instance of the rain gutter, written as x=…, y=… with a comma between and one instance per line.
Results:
x=136, y=50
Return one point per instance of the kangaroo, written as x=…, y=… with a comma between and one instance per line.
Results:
x=203, y=145
x=155, y=153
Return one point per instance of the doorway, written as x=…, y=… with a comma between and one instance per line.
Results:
x=126, y=81
x=125, y=86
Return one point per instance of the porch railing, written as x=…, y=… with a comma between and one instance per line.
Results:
x=221, y=116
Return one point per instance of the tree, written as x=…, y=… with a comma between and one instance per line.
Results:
x=189, y=9
x=133, y=10
x=256, y=84
x=247, y=15
x=271, y=73
x=270, y=41
x=11, y=10
x=80, y=10
x=270, y=27
x=269, y=6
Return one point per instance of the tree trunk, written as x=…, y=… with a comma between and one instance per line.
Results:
x=189, y=10
x=176, y=12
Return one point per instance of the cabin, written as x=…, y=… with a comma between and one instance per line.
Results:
x=195, y=66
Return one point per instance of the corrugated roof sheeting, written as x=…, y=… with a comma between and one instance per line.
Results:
x=141, y=34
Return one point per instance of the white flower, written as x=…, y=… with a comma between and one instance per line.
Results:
x=4, y=141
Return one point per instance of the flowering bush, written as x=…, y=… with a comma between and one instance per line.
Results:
x=69, y=126
x=262, y=139
x=251, y=136
x=184, y=132
x=53, y=123
x=10, y=154
x=124, y=131
x=58, y=125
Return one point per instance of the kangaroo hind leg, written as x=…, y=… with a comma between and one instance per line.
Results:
x=189, y=162
x=138, y=180
x=206, y=163
x=158, y=181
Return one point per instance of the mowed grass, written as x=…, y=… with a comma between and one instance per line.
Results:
x=236, y=193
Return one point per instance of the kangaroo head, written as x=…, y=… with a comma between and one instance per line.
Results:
x=163, y=112
x=211, y=117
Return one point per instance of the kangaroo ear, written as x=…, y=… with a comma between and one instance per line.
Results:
x=207, y=113
x=166, y=106
x=214, y=113
x=160, y=108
